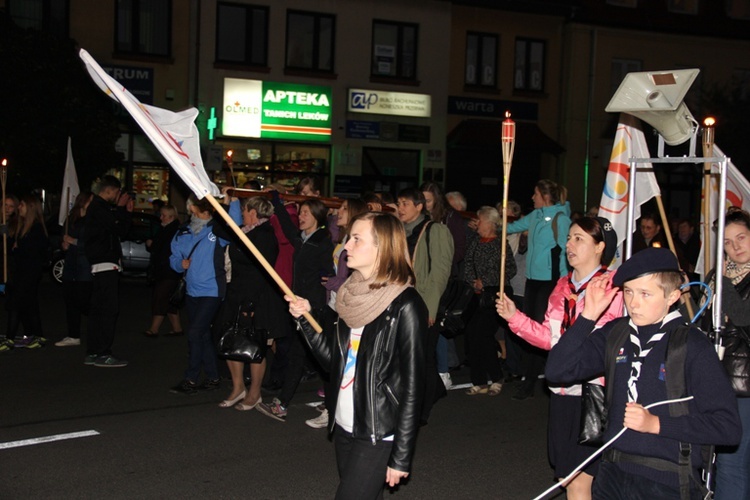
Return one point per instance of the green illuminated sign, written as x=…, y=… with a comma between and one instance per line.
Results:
x=253, y=108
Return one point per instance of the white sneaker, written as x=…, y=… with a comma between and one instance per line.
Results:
x=318, y=422
x=447, y=382
x=68, y=341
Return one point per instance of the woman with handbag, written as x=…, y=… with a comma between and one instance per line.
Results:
x=590, y=248
x=199, y=252
x=483, y=274
x=733, y=464
x=375, y=356
x=252, y=288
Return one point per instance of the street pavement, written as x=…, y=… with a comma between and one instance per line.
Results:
x=149, y=443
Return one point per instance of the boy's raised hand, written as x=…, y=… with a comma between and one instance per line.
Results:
x=598, y=298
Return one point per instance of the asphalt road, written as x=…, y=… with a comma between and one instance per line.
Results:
x=150, y=443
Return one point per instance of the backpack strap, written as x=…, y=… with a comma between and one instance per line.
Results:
x=554, y=226
x=615, y=340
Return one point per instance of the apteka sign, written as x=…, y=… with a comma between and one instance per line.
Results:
x=254, y=108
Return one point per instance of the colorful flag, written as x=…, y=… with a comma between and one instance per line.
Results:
x=70, y=187
x=738, y=195
x=174, y=134
x=629, y=143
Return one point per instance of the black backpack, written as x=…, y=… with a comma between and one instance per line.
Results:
x=674, y=362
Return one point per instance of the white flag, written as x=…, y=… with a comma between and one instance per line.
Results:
x=174, y=134
x=629, y=143
x=738, y=195
x=70, y=187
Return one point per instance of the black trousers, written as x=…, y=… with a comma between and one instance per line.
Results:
x=535, y=301
x=103, y=314
x=483, y=347
x=22, y=304
x=362, y=466
x=77, y=304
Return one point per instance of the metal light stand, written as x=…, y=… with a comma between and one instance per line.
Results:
x=722, y=162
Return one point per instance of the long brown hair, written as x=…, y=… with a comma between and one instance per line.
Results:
x=356, y=206
x=33, y=215
x=79, y=206
x=393, y=265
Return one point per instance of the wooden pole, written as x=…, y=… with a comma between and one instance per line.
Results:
x=263, y=262
x=509, y=144
x=670, y=242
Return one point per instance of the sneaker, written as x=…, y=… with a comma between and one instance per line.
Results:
x=7, y=341
x=42, y=340
x=273, y=410
x=28, y=342
x=321, y=392
x=68, y=341
x=4, y=347
x=447, y=381
x=109, y=361
x=187, y=387
x=210, y=384
x=318, y=422
x=90, y=359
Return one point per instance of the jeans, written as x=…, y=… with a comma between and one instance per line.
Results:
x=362, y=466
x=733, y=464
x=201, y=351
x=442, y=354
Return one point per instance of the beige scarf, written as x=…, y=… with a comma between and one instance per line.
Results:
x=736, y=272
x=358, y=304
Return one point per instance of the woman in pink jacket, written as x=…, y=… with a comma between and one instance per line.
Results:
x=590, y=248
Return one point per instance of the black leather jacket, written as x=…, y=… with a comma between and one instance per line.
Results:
x=389, y=381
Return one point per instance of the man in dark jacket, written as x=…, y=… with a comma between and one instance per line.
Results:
x=106, y=223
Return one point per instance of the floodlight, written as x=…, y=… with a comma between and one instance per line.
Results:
x=656, y=98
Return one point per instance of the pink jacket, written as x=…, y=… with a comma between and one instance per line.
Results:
x=547, y=334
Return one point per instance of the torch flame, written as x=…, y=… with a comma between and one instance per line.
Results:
x=709, y=121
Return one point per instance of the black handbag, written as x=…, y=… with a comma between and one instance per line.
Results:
x=243, y=342
x=593, y=414
x=457, y=306
x=178, y=296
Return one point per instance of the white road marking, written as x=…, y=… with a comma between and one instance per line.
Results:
x=47, y=439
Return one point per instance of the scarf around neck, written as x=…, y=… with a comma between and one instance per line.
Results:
x=358, y=304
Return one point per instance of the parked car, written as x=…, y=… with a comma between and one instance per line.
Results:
x=135, y=256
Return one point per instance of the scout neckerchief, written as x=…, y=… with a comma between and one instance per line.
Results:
x=572, y=299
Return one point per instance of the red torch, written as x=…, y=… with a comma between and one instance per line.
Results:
x=509, y=143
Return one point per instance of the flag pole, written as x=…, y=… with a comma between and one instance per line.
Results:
x=268, y=267
x=509, y=143
x=67, y=204
x=708, y=152
x=670, y=242
x=3, y=179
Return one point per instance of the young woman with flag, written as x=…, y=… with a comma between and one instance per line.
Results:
x=590, y=248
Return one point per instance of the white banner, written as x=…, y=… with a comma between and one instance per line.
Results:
x=629, y=143
x=174, y=134
x=70, y=187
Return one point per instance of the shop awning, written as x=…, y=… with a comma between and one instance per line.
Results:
x=486, y=133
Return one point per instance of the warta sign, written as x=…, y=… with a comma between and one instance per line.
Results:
x=270, y=110
x=379, y=102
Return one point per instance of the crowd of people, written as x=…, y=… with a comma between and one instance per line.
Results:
x=374, y=271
